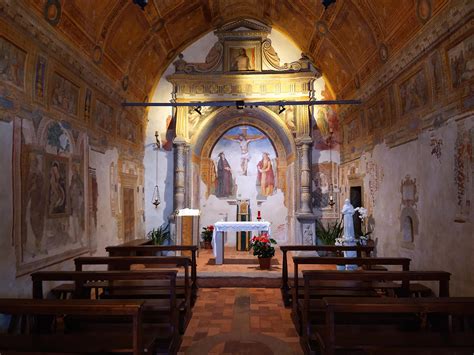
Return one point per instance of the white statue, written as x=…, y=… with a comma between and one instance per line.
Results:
x=349, y=234
x=348, y=211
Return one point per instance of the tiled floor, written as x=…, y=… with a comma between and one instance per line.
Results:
x=240, y=321
x=205, y=264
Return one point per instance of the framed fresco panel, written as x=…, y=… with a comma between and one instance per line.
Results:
x=64, y=94
x=12, y=64
x=242, y=56
x=57, y=198
x=461, y=61
x=104, y=116
x=39, y=88
x=413, y=92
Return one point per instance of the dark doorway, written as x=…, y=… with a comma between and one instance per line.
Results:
x=356, y=201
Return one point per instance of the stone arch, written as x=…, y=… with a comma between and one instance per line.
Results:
x=214, y=126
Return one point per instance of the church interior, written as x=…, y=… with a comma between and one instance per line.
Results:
x=236, y=176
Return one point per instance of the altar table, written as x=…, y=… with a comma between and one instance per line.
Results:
x=221, y=227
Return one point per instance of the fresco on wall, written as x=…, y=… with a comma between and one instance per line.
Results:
x=40, y=79
x=324, y=179
x=463, y=160
x=104, y=116
x=326, y=122
x=87, y=105
x=64, y=95
x=50, y=195
x=245, y=163
x=242, y=59
x=12, y=63
x=414, y=92
x=461, y=61
x=127, y=130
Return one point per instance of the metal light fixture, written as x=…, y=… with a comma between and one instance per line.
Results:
x=198, y=109
x=141, y=3
x=327, y=3
x=331, y=201
x=155, y=200
x=282, y=109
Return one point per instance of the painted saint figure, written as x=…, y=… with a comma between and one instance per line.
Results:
x=57, y=190
x=35, y=200
x=241, y=61
x=225, y=183
x=265, y=176
x=244, y=141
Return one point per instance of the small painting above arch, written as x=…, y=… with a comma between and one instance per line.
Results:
x=245, y=164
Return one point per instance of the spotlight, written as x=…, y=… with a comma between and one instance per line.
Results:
x=157, y=138
x=282, y=109
x=198, y=109
x=327, y=3
x=240, y=105
x=141, y=3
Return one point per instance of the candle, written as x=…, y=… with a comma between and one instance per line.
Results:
x=258, y=215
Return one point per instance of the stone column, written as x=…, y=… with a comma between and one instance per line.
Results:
x=305, y=175
x=179, y=173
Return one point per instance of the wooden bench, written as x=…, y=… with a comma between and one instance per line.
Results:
x=361, y=283
x=151, y=250
x=57, y=338
x=160, y=307
x=285, y=287
x=390, y=326
x=183, y=290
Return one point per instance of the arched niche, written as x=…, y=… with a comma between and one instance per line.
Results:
x=212, y=128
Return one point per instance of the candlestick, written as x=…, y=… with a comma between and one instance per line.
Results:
x=259, y=216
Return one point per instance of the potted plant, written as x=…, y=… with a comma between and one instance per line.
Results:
x=160, y=235
x=206, y=235
x=328, y=235
x=262, y=247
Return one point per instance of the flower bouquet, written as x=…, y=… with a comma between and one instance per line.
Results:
x=206, y=235
x=263, y=248
x=363, y=215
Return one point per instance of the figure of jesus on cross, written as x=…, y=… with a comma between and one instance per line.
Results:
x=244, y=140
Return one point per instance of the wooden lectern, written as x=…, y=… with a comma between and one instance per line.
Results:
x=243, y=215
x=187, y=228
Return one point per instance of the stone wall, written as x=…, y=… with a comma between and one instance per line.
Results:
x=409, y=147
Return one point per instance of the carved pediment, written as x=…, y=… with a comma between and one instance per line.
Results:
x=243, y=29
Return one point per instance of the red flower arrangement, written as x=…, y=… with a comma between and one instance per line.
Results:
x=207, y=233
x=262, y=245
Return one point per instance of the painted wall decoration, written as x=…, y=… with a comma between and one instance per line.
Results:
x=103, y=116
x=51, y=194
x=64, y=94
x=461, y=61
x=324, y=178
x=39, y=93
x=244, y=163
x=87, y=105
x=414, y=92
x=463, y=160
x=326, y=122
x=436, y=145
x=12, y=64
x=57, y=169
x=127, y=130
x=242, y=59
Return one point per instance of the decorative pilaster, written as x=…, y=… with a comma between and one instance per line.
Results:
x=179, y=173
x=305, y=176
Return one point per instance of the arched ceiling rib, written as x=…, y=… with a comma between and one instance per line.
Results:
x=343, y=41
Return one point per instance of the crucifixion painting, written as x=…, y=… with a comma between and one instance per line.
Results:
x=244, y=139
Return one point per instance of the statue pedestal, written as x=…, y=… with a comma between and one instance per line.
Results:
x=350, y=254
x=305, y=229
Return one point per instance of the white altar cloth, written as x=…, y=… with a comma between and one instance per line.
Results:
x=221, y=227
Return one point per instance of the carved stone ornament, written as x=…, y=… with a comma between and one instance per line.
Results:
x=213, y=59
x=409, y=193
x=271, y=58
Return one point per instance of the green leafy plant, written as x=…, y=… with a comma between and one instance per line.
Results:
x=206, y=233
x=160, y=235
x=329, y=234
x=262, y=246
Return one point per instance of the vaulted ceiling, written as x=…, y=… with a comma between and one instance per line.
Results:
x=349, y=42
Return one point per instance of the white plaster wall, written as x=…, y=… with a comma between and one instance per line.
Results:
x=441, y=243
x=215, y=209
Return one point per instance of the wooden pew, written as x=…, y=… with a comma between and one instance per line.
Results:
x=183, y=290
x=391, y=326
x=130, y=339
x=285, y=287
x=319, y=284
x=160, y=307
x=144, y=249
